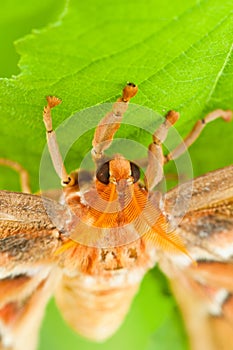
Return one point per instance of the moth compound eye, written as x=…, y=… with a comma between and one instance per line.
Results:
x=135, y=172
x=103, y=173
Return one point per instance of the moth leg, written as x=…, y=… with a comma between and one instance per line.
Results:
x=154, y=170
x=196, y=131
x=52, y=142
x=23, y=174
x=109, y=125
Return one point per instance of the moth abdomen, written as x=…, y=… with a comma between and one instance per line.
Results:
x=99, y=307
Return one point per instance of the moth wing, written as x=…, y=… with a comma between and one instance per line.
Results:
x=28, y=267
x=205, y=292
x=23, y=299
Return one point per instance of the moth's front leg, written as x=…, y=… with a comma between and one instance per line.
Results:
x=196, y=131
x=52, y=141
x=109, y=125
x=154, y=171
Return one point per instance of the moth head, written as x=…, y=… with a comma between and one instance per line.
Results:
x=118, y=170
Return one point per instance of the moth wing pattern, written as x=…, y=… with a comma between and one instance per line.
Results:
x=205, y=292
x=28, y=271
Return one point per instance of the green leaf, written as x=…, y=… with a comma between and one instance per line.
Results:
x=180, y=55
x=17, y=19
